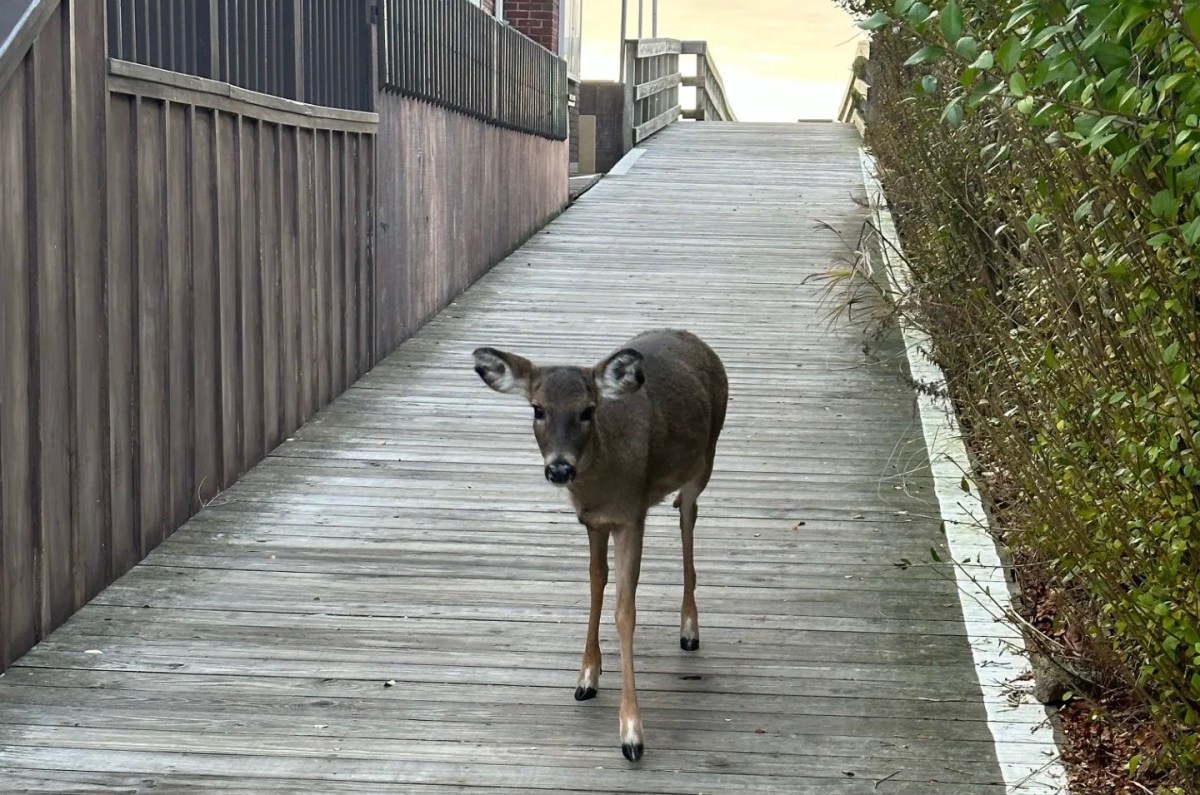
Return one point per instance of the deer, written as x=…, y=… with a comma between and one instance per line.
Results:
x=620, y=437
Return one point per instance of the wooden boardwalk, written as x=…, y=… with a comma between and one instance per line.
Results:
x=395, y=601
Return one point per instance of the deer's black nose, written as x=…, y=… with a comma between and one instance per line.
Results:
x=560, y=472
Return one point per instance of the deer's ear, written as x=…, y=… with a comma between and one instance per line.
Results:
x=503, y=372
x=620, y=374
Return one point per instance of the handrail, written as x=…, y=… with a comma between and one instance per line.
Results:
x=854, y=100
x=712, y=104
x=652, y=82
x=19, y=28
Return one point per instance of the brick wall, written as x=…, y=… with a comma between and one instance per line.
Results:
x=605, y=101
x=537, y=19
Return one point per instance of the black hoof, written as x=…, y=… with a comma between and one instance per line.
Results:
x=689, y=644
x=584, y=693
x=632, y=752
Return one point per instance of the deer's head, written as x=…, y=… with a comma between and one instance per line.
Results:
x=564, y=400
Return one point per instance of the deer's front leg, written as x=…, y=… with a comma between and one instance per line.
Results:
x=589, y=668
x=629, y=564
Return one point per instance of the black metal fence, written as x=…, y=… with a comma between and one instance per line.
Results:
x=454, y=54
x=314, y=51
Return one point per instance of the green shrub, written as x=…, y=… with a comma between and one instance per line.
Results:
x=1043, y=161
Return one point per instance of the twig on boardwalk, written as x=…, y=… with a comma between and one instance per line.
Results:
x=886, y=778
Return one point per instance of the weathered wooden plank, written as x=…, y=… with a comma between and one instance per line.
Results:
x=249, y=206
x=152, y=350
x=206, y=294
x=50, y=181
x=18, y=415
x=270, y=210
x=182, y=219
x=230, y=267
x=92, y=520
x=123, y=296
x=312, y=265
x=294, y=275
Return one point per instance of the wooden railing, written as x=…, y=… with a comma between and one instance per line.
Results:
x=711, y=103
x=854, y=101
x=313, y=51
x=652, y=82
x=455, y=55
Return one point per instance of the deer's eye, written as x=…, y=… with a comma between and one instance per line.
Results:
x=538, y=414
x=586, y=416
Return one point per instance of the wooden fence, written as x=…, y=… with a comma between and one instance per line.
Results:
x=189, y=267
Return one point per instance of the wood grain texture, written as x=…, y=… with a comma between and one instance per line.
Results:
x=163, y=327
x=405, y=535
x=455, y=197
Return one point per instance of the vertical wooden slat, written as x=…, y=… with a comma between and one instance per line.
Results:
x=227, y=164
x=339, y=300
x=272, y=298
x=250, y=210
x=18, y=458
x=368, y=350
x=123, y=235
x=152, y=327
x=180, y=208
x=352, y=299
x=322, y=262
x=290, y=269
x=206, y=394
x=54, y=320
x=309, y=264
x=88, y=252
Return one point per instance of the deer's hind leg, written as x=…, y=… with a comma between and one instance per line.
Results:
x=689, y=623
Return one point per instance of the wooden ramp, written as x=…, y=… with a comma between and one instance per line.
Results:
x=395, y=601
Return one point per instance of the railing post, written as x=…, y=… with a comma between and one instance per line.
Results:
x=630, y=119
x=702, y=83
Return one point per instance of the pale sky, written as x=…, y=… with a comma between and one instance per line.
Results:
x=780, y=60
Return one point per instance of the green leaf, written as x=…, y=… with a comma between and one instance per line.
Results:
x=925, y=55
x=918, y=14
x=933, y=553
x=901, y=7
x=983, y=90
x=1135, y=762
x=953, y=114
x=1016, y=85
x=1026, y=105
x=984, y=61
x=1171, y=352
x=1050, y=358
x=1191, y=231
x=1009, y=54
x=878, y=20
x=1021, y=13
x=1191, y=20
x=929, y=84
x=1133, y=16
x=1164, y=205
x=968, y=48
x=952, y=21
